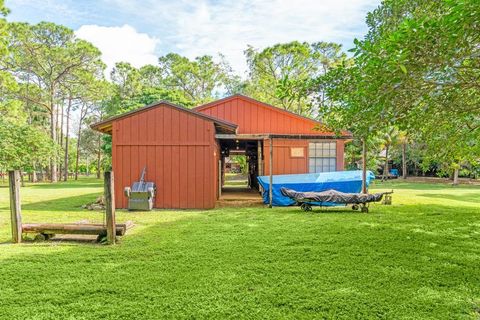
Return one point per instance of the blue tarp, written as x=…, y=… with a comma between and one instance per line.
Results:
x=344, y=181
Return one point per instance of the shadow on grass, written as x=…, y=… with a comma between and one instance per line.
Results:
x=418, y=186
x=60, y=204
x=457, y=197
x=67, y=185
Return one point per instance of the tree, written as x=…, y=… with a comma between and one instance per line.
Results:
x=91, y=101
x=198, y=80
x=23, y=145
x=425, y=54
x=416, y=69
x=44, y=56
x=286, y=74
x=390, y=138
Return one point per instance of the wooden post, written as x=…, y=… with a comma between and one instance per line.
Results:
x=15, y=207
x=364, y=166
x=270, y=191
x=219, y=178
x=260, y=157
x=110, y=206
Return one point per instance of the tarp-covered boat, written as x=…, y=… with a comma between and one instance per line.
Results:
x=343, y=181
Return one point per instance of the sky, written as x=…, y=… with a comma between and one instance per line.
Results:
x=140, y=31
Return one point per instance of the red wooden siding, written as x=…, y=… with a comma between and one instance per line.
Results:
x=178, y=149
x=284, y=163
x=252, y=117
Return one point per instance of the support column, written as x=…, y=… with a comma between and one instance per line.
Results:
x=110, y=206
x=270, y=191
x=219, y=178
x=260, y=157
x=15, y=207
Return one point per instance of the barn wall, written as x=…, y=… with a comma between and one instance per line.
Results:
x=176, y=147
x=254, y=117
x=284, y=163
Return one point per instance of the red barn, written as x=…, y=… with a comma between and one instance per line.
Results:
x=184, y=149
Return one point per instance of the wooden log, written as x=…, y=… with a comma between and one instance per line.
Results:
x=15, y=207
x=110, y=206
x=73, y=228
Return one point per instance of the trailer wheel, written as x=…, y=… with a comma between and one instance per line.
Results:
x=364, y=209
x=355, y=207
x=306, y=207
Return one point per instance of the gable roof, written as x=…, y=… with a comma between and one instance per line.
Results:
x=255, y=102
x=105, y=126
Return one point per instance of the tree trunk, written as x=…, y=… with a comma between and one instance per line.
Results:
x=22, y=178
x=385, y=166
x=53, y=135
x=60, y=140
x=34, y=173
x=78, y=148
x=404, y=159
x=99, y=156
x=65, y=164
x=455, y=176
x=364, y=166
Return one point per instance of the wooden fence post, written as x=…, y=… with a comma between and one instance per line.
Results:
x=15, y=207
x=110, y=206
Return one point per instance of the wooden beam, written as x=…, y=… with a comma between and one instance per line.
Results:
x=110, y=206
x=309, y=137
x=280, y=136
x=241, y=136
x=74, y=228
x=15, y=207
x=260, y=157
x=270, y=191
x=220, y=177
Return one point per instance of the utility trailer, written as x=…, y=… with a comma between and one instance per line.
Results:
x=359, y=201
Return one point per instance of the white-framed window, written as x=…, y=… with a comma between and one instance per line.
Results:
x=322, y=156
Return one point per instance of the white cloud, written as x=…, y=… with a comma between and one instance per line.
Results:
x=202, y=27
x=121, y=44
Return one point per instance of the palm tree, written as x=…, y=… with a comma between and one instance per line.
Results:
x=390, y=137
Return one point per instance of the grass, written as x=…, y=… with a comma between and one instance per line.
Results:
x=416, y=259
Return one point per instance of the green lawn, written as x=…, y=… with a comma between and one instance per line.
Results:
x=419, y=258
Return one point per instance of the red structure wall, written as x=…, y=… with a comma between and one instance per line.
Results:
x=255, y=117
x=179, y=151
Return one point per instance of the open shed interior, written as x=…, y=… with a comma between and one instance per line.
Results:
x=252, y=151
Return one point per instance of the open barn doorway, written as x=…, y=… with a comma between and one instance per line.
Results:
x=241, y=162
